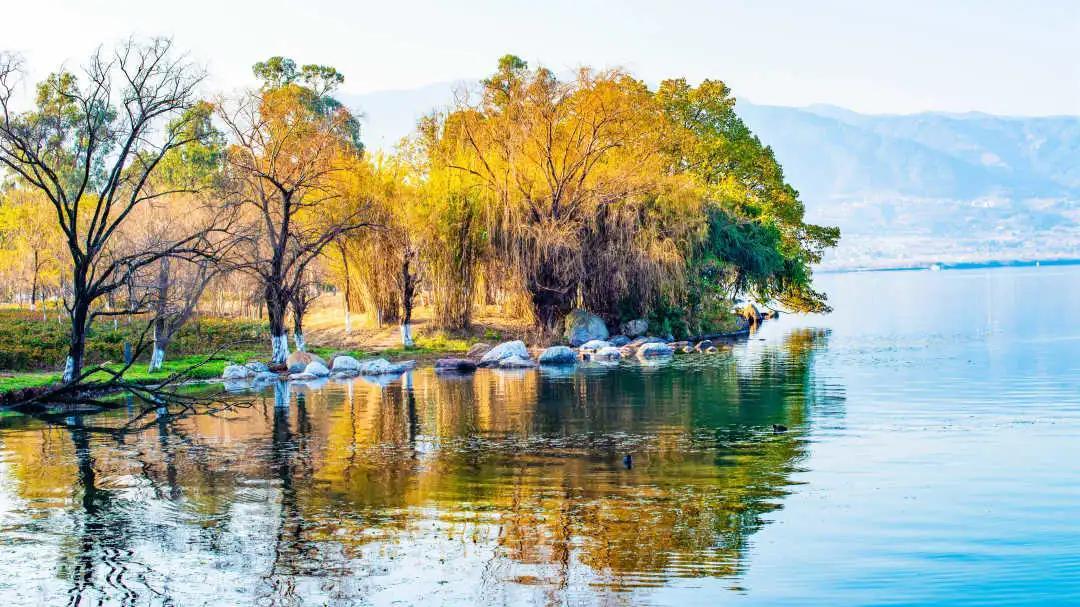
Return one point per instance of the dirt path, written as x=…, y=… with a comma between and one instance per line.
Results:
x=325, y=325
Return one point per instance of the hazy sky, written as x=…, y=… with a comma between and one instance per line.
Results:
x=899, y=56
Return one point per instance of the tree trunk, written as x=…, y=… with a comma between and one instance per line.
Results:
x=298, y=329
x=34, y=283
x=348, y=290
x=161, y=310
x=549, y=307
x=408, y=290
x=73, y=366
x=279, y=340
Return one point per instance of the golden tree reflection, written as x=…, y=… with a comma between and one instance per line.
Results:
x=519, y=475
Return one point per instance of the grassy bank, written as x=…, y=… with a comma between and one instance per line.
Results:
x=33, y=348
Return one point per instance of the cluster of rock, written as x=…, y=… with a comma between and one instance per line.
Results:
x=586, y=333
x=305, y=366
x=588, y=337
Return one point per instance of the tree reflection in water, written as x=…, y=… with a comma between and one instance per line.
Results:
x=492, y=487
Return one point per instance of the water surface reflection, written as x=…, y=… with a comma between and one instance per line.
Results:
x=491, y=488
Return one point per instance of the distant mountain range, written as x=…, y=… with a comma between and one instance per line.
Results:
x=906, y=190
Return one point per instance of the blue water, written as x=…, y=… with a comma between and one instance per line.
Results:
x=931, y=457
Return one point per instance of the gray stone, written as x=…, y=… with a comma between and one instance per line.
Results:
x=582, y=326
x=236, y=372
x=654, y=350
x=381, y=366
x=317, y=369
x=619, y=341
x=516, y=362
x=455, y=364
x=635, y=328
x=345, y=364
x=594, y=344
x=504, y=350
x=608, y=354
x=558, y=355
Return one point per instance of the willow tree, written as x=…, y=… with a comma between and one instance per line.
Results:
x=92, y=143
x=384, y=264
x=555, y=157
x=455, y=241
x=288, y=139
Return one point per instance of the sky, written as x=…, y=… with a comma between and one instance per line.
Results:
x=1015, y=58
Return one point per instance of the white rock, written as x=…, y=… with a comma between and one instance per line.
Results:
x=235, y=372
x=654, y=350
x=558, y=355
x=381, y=366
x=609, y=353
x=505, y=350
x=317, y=369
x=594, y=345
x=516, y=362
x=345, y=364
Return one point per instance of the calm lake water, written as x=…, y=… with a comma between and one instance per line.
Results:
x=932, y=457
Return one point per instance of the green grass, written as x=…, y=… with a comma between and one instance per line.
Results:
x=138, y=372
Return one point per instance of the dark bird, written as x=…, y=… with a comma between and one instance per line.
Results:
x=779, y=428
x=628, y=461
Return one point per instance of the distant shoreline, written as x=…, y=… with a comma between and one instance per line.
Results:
x=964, y=265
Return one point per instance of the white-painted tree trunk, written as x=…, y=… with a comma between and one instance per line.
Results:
x=300, y=345
x=406, y=336
x=156, y=359
x=69, y=369
x=279, y=345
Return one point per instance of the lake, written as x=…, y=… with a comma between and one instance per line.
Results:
x=931, y=456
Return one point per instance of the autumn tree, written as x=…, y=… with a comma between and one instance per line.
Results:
x=91, y=144
x=287, y=140
x=30, y=241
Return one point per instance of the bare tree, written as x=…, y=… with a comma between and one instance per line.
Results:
x=91, y=144
x=287, y=145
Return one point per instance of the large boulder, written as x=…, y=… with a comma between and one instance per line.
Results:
x=504, y=350
x=635, y=328
x=654, y=350
x=317, y=369
x=381, y=366
x=478, y=350
x=558, y=355
x=594, y=345
x=455, y=364
x=516, y=362
x=608, y=354
x=582, y=326
x=236, y=372
x=298, y=361
x=345, y=364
